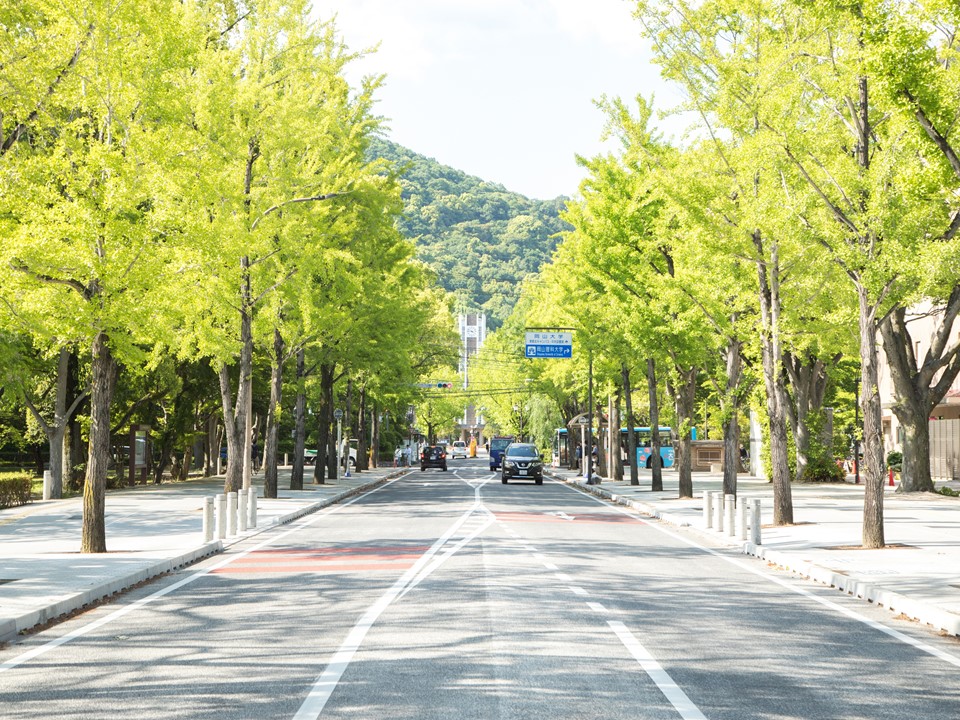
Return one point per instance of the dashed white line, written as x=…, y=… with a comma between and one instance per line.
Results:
x=596, y=607
x=576, y=590
x=677, y=697
x=852, y=614
x=550, y=566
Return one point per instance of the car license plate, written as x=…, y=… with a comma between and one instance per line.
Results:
x=521, y=472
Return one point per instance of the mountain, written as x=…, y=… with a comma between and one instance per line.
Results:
x=480, y=238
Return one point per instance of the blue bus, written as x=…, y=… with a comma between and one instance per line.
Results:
x=644, y=446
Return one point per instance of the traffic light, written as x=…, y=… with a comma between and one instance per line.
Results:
x=444, y=385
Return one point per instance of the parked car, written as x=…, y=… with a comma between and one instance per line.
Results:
x=434, y=456
x=458, y=449
x=497, y=445
x=522, y=461
x=310, y=457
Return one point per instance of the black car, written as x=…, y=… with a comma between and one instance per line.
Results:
x=523, y=461
x=434, y=456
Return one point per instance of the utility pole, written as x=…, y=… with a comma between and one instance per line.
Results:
x=588, y=452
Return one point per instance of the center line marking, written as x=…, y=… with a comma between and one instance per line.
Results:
x=578, y=590
x=323, y=687
x=596, y=607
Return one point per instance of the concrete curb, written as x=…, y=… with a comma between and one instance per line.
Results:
x=11, y=627
x=917, y=610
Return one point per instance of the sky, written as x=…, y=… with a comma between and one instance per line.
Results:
x=502, y=89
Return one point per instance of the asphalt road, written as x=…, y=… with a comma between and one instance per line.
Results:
x=449, y=595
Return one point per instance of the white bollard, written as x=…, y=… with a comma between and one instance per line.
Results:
x=718, y=499
x=208, y=519
x=231, y=514
x=252, y=507
x=242, y=511
x=742, y=507
x=221, y=506
x=708, y=510
x=755, y=521
x=286, y=460
x=47, y=485
x=731, y=505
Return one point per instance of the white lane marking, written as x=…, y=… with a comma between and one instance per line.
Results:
x=550, y=566
x=852, y=614
x=577, y=590
x=540, y=557
x=115, y=615
x=563, y=577
x=596, y=607
x=446, y=555
x=531, y=548
x=324, y=685
x=562, y=515
x=677, y=697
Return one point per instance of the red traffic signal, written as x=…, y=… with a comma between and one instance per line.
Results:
x=444, y=385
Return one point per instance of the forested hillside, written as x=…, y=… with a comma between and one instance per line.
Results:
x=481, y=239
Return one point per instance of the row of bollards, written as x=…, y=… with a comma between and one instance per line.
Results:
x=229, y=515
x=720, y=511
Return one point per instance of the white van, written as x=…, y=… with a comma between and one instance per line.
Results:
x=458, y=449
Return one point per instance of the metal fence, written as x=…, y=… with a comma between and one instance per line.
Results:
x=945, y=449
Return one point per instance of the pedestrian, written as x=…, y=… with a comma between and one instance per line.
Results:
x=579, y=456
x=255, y=453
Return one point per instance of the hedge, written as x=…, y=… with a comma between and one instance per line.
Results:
x=15, y=489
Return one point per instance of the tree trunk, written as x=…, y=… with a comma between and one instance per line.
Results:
x=73, y=455
x=731, y=415
x=631, y=423
x=808, y=380
x=684, y=397
x=375, y=437
x=768, y=273
x=211, y=446
x=272, y=433
x=362, y=432
x=873, y=460
x=234, y=424
x=322, y=464
x=94, y=538
x=656, y=461
x=166, y=451
x=187, y=462
x=916, y=456
x=615, y=449
x=920, y=386
x=300, y=425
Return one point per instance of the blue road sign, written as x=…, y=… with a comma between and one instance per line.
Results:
x=549, y=351
x=549, y=345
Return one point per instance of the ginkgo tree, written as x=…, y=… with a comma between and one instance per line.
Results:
x=90, y=202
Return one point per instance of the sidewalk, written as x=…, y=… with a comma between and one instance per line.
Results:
x=151, y=529
x=917, y=574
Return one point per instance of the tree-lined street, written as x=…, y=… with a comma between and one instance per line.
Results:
x=448, y=593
